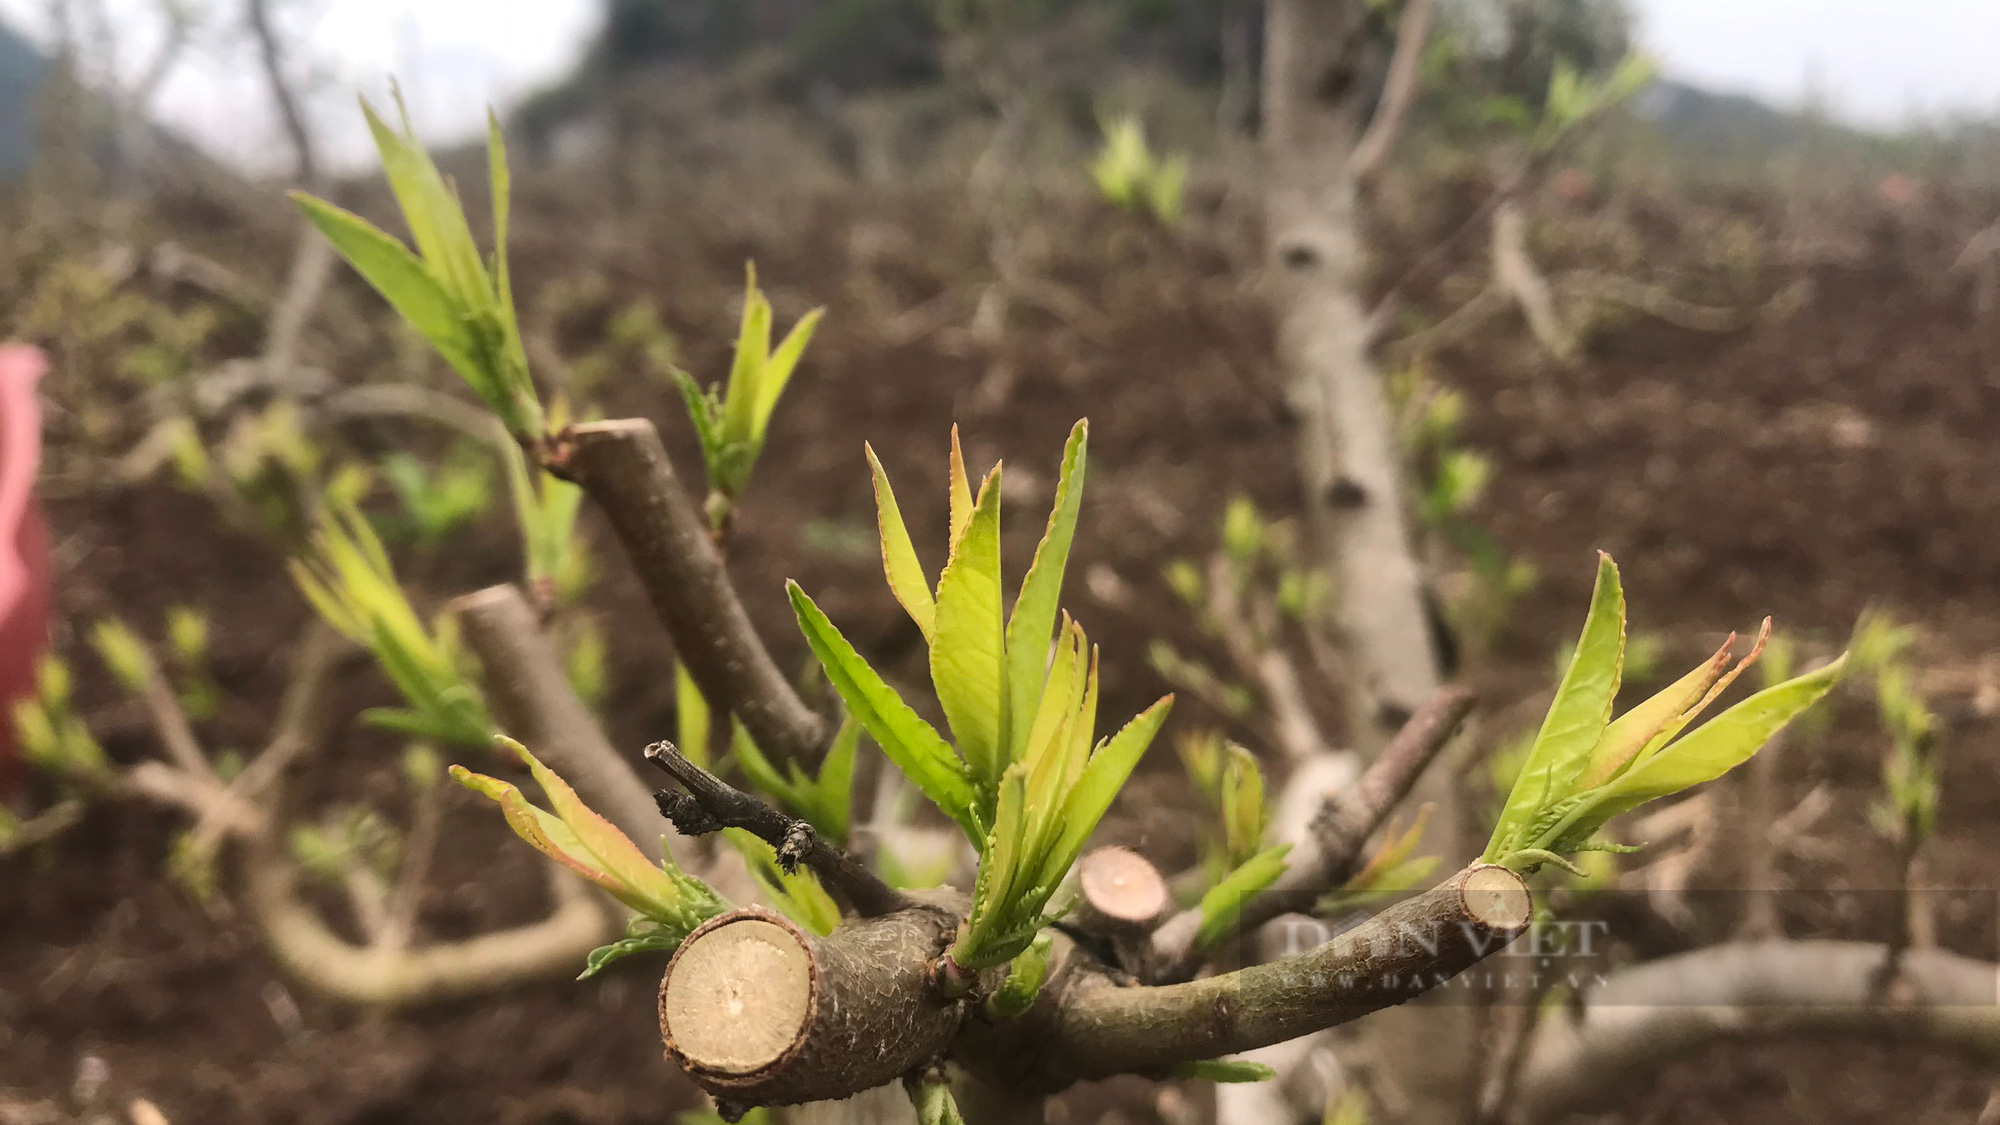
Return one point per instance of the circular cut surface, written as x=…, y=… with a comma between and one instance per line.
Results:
x=737, y=998
x=1122, y=884
x=1497, y=897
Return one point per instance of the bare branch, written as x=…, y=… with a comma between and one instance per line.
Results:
x=1099, y=1028
x=305, y=718
x=270, y=53
x=391, y=977
x=711, y=804
x=624, y=468
x=1328, y=855
x=535, y=702
x=1641, y=1017
x=1398, y=91
x=43, y=826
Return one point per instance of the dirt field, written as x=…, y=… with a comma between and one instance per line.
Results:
x=1808, y=466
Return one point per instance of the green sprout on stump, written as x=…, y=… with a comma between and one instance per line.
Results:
x=732, y=424
x=1025, y=781
x=460, y=301
x=1584, y=768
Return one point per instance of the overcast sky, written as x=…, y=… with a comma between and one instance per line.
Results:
x=1879, y=62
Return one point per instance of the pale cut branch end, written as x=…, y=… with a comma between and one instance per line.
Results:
x=740, y=997
x=1497, y=898
x=760, y=1012
x=1119, y=892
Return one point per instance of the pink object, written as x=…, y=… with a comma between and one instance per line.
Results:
x=25, y=596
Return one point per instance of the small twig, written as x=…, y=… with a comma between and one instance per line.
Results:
x=270, y=53
x=711, y=804
x=1399, y=89
x=399, y=915
x=305, y=718
x=1328, y=856
x=43, y=826
x=170, y=722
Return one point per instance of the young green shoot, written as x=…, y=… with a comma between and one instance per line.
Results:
x=1021, y=775
x=669, y=902
x=731, y=424
x=457, y=299
x=1583, y=768
x=346, y=574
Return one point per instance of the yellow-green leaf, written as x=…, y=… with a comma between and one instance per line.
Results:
x=778, y=372
x=899, y=555
x=961, y=492
x=916, y=749
x=1631, y=732
x=753, y=347
x=968, y=659
x=1035, y=609
x=692, y=717
x=615, y=852
x=1711, y=750
x=400, y=278
x=1576, y=718
x=1223, y=904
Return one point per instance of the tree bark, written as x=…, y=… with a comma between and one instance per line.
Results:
x=625, y=470
x=760, y=1012
x=1321, y=57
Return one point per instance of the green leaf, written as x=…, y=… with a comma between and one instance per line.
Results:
x=968, y=659
x=1102, y=778
x=1225, y=1070
x=400, y=278
x=753, y=347
x=778, y=370
x=1631, y=732
x=916, y=749
x=500, y=185
x=702, y=409
x=757, y=769
x=994, y=900
x=899, y=556
x=657, y=941
x=430, y=207
x=833, y=790
x=797, y=894
x=1017, y=993
x=1035, y=609
x=1711, y=750
x=933, y=1102
x=1576, y=719
x=693, y=721
x=1223, y=904
x=961, y=493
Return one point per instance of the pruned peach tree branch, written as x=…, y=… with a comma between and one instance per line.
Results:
x=765, y=1008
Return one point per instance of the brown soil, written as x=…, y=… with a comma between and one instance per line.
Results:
x=1808, y=467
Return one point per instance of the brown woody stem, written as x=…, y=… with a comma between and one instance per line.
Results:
x=711, y=804
x=533, y=699
x=624, y=468
x=760, y=1012
x=1099, y=1028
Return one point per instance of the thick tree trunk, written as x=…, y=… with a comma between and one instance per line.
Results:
x=1323, y=61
